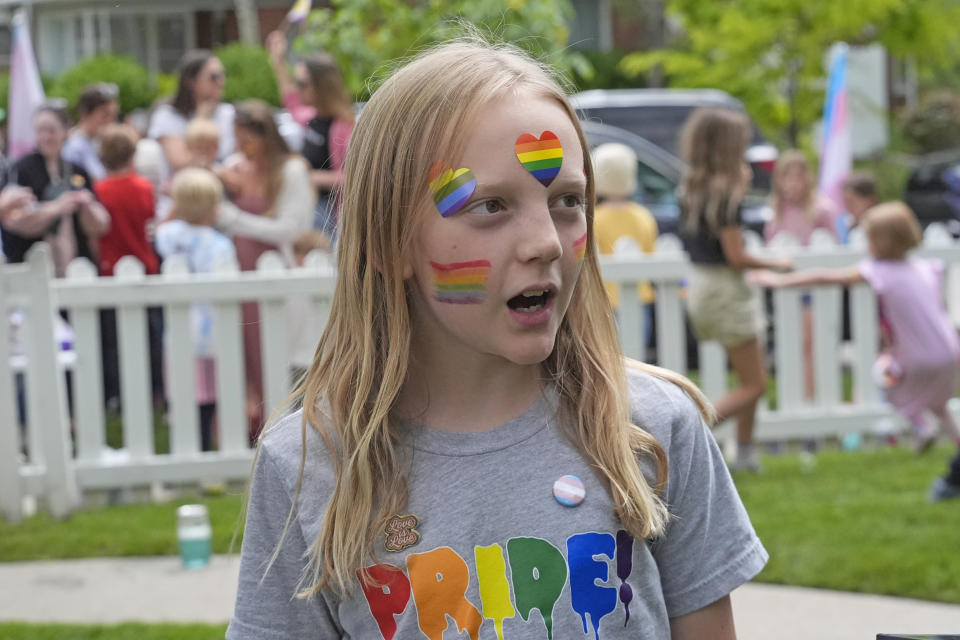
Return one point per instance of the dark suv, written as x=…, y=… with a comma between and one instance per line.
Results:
x=658, y=115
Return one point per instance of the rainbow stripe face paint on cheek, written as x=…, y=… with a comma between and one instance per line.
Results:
x=451, y=189
x=541, y=157
x=580, y=247
x=461, y=282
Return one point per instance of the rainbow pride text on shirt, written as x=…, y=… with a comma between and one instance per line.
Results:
x=438, y=579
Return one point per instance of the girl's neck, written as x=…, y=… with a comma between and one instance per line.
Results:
x=450, y=394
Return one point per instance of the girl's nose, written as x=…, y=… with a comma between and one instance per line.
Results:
x=539, y=240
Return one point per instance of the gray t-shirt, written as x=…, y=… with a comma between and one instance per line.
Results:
x=491, y=552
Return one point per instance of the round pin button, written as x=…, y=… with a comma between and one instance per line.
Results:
x=569, y=490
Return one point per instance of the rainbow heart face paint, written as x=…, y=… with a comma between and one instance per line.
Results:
x=461, y=282
x=580, y=247
x=451, y=188
x=541, y=157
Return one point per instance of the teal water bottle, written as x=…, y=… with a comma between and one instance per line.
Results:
x=193, y=534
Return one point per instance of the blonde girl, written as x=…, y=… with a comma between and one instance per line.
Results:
x=473, y=445
x=920, y=366
x=799, y=210
x=720, y=304
x=189, y=233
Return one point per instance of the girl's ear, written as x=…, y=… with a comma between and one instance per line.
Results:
x=407, y=269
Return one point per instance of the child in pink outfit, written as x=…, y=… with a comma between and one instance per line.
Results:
x=797, y=208
x=920, y=366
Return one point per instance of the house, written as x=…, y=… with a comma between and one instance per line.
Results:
x=155, y=33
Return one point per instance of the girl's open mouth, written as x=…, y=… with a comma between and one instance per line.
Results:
x=530, y=301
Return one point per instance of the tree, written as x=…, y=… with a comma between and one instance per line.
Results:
x=365, y=35
x=771, y=53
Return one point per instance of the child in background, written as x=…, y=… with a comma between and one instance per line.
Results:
x=859, y=194
x=202, y=138
x=129, y=199
x=798, y=210
x=196, y=195
x=720, y=304
x=920, y=366
x=618, y=216
x=469, y=405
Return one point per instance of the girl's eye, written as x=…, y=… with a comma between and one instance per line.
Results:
x=487, y=207
x=569, y=201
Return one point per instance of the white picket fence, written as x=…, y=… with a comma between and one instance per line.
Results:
x=61, y=466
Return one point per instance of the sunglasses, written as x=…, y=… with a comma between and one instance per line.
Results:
x=301, y=84
x=217, y=76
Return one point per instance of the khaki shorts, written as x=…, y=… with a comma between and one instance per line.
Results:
x=722, y=307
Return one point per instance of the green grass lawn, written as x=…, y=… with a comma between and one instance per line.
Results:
x=126, y=530
x=855, y=521
x=18, y=631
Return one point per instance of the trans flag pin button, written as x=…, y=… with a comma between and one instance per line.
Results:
x=569, y=490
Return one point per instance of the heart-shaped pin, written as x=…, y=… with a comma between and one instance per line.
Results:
x=451, y=188
x=542, y=157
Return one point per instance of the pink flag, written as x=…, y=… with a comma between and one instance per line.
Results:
x=836, y=157
x=26, y=92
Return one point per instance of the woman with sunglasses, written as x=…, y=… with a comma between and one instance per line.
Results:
x=199, y=92
x=318, y=100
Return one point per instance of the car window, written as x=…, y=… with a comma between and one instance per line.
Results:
x=660, y=124
x=656, y=192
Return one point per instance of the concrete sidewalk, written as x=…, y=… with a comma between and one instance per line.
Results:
x=158, y=590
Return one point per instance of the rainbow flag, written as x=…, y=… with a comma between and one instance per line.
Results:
x=26, y=92
x=451, y=189
x=836, y=156
x=299, y=12
x=542, y=157
x=461, y=282
x=580, y=247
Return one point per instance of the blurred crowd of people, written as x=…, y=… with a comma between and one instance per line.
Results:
x=197, y=177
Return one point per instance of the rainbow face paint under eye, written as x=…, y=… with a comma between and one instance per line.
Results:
x=580, y=247
x=541, y=157
x=451, y=189
x=461, y=282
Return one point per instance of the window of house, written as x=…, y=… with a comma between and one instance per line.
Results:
x=155, y=39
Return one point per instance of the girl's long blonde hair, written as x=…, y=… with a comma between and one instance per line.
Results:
x=713, y=142
x=790, y=159
x=416, y=118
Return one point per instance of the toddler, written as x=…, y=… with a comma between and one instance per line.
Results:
x=188, y=232
x=618, y=216
x=202, y=139
x=919, y=367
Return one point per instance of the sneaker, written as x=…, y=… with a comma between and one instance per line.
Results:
x=749, y=464
x=943, y=490
x=924, y=437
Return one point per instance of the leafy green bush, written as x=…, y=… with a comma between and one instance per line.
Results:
x=935, y=123
x=249, y=74
x=605, y=72
x=137, y=88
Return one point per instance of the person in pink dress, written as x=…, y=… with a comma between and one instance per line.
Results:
x=798, y=210
x=271, y=206
x=920, y=365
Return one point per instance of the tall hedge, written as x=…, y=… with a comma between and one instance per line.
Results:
x=137, y=87
x=249, y=74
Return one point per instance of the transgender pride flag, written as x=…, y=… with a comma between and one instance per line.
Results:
x=836, y=158
x=26, y=92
